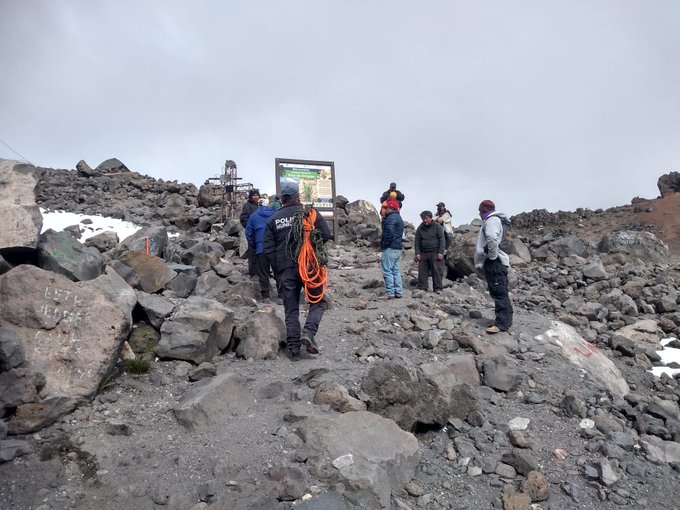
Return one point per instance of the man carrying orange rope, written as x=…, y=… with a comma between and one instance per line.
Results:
x=289, y=246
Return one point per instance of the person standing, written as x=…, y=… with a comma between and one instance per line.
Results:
x=393, y=189
x=249, y=208
x=279, y=249
x=391, y=245
x=429, y=247
x=255, y=236
x=443, y=217
x=495, y=262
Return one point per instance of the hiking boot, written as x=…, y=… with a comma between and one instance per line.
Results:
x=309, y=344
x=294, y=355
x=492, y=330
x=398, y=296
x=385, y=297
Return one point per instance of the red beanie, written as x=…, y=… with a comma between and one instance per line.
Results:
x=487, y=206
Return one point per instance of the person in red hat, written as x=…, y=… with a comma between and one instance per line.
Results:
x=391, y=246
x=490, y=256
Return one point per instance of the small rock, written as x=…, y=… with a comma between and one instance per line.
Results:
x=343, y=461
x=518, y=423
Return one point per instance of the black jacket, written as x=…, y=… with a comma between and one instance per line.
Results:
x=392, y=231
x=248, y=208
x=430, y=238
x=275, y=245
x=386, y=195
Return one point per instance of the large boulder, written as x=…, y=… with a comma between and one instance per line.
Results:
x=369, y=453
x=61, y=253
x=644, y=333
x=116, y=290
x=57, y=321
x=153, y=272
x=156, y=238
x=259, y=336
x=198, y=330
x=212, y=401
x=459, y=257
x=112, y=165
x=586, y=356
x=22, y=221
x=669, y=183
x=568, y=246
x=635, y=245
x=422, y=397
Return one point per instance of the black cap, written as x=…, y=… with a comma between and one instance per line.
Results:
x=290, y=191
x=426, y=213
x=393, y=185
x=441, y=204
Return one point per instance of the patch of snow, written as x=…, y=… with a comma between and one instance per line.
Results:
x=668, y=354
x=58, y=220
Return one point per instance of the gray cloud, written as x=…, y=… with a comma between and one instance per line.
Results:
x=533, y=104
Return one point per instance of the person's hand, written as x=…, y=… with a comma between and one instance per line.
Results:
x=417, y=257
x=440, y=256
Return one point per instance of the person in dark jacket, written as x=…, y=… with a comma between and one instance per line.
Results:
x=255, y=236
x=429, y=247
x=278, y=248
x=393, y=188
x=391, y=245
x=249, y=208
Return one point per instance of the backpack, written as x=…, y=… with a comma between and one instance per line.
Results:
x=506, y=239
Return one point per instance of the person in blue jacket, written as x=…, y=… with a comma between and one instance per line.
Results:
x=391, y=245
x=255, y=236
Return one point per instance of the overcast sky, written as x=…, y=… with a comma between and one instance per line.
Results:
x=533, y=104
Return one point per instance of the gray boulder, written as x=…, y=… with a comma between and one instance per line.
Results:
x=576, y=350
x=112, y=165
x=11, y=349
x=203, y=255
x=60, y=253
x=212, y=401
x=153, y=272
x=381, y=459
x=156, y=307
x=198, y=330
x=408, y=399
x=635, y=245
x=259, y=336
x=669, y=183
x=156, y=237
x=116, y=290
x=103, y=242
x=22, y=221
x=568, y=246
x=57, y=320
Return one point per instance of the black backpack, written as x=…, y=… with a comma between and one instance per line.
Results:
x=506, y=239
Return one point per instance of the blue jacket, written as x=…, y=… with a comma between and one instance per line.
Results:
x=392, y=231
x=255, y=227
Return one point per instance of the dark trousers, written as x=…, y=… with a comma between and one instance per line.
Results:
x=252, y=262
x=262, y=270
x=290, y=286
x=448, y=240
x=429, y=264
x=497, y=279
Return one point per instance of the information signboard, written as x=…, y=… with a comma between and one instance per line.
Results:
x=315, y=181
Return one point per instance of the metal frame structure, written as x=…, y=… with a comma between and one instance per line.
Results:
x=232, y=191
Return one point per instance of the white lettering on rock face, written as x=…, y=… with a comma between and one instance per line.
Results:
x=66, y=308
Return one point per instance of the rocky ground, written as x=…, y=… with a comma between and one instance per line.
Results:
x=533, y=418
